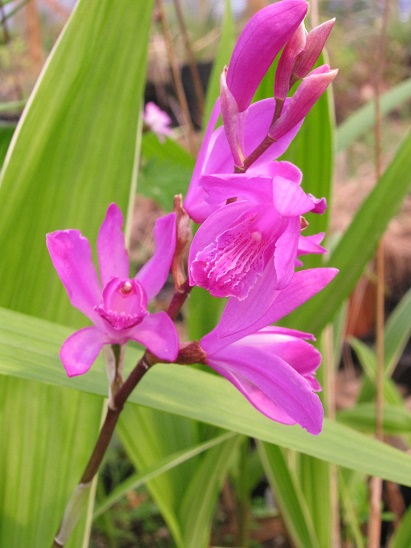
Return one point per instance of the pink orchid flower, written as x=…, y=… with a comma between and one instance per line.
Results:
x=216, y=158
x=118, y=305
x=251, y=245
x=157, y=120
x=274, y=367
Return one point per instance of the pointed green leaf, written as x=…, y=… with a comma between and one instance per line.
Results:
x=35, y=436
x=72, y=153
x=198, y=504
x=164, y=465
x=29, y=349
x=363, y=119
x=73, y=150
x=397, y=333
x=402, y=536
x=396, y=420
x=289, y=495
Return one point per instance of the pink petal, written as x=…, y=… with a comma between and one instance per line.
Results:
x=320, y=204
x=221, y=187
x=81, y=349
x=290, y=200
x=262, y=38
x=238, y=315
x=270, y=384
x=215, y=225
x=286, y=252
x=194, y=202
x=283, y=169
x=154, y=274
x=228, y=253
x=112, y=254
x=311, y=244
x=237, y=321
x=289, y=345
x=71, y=255
x=304, y=285
x=158, y=333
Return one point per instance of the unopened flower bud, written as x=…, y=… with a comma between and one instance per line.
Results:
x=261, y=40
x=307, y=94
x=292, y=49
x=315, y=42
x=229, y=114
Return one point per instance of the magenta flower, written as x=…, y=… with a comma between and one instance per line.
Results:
x=118, y=305
x=274, y=367
x=157, y=120
x=216, y=158
x=253, y=241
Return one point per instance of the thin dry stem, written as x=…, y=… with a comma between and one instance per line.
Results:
x=314, y=19
x=374, y=523
x=195, y=74
x=330, y=409
x=189, y=129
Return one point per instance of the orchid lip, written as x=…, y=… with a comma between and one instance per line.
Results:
x=231, y=264
x=124, y=304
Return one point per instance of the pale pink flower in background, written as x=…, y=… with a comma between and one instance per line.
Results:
x=117, y=305
x=157, y=120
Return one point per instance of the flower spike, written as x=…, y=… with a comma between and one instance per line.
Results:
x=259, y=43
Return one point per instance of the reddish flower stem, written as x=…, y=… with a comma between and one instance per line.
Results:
x=257, y=152
x=121, y=397
x=179, y=298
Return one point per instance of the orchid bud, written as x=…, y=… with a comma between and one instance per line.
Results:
x=309, y=91
x=261, y=40
x=230, y=116
x=292, y=49
x=315, y=41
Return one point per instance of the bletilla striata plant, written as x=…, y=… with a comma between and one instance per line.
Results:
x=250, y=207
